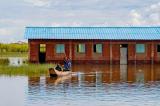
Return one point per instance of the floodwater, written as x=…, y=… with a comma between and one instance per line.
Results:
x=89, y=85
x=16, y=61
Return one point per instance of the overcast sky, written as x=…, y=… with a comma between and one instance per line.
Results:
x=15, y=15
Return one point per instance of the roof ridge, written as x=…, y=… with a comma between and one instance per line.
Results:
x=129, y=32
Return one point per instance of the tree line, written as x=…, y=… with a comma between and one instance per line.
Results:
x=14, y=47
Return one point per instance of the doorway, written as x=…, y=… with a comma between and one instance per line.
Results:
x=42, y=53
x=123, y=53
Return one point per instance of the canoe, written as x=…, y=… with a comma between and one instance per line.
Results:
x=54, y=73
x=62, y=73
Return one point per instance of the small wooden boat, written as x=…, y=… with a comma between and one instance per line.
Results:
x=54, y=72
x=63, y=72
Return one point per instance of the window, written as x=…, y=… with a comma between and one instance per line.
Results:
x=97, y=48
x=81, y=48
x=42, y=48
x=60, y=48
x=140, y=48
x=158, y=48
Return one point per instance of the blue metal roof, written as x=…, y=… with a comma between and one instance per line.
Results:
x=101, y=33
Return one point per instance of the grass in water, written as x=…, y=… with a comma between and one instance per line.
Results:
x=25, y=70
x=4, y=61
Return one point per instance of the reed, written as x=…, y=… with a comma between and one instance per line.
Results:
x=25, y=70
x=4, y=61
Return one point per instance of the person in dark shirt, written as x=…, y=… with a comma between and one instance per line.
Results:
x=58, y=67
x=67, y=63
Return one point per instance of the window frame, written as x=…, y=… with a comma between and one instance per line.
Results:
x=95, y=48
x=141, y=52
x=77, y=48
x=60, y=52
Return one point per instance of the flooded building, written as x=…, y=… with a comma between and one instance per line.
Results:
x=110, y=45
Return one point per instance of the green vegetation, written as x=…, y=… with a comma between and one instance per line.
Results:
x=13, y=50
x=25, y=70
x=20, y=50
x=13, y=54
x=4, y=61
x=13, y=47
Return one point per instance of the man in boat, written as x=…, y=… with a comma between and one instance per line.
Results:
x=58, y=67
x=67, y=64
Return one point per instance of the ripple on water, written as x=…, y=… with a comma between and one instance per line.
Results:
x=69, y=94
x=109, y=87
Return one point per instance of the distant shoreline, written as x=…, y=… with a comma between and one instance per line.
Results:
x=13, y=54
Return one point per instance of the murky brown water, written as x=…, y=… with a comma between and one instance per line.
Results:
x=119, y=73
x=89, y=85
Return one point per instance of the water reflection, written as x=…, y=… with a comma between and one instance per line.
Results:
x=104, y=74
x=95, y=77
x=16, y=61
x=34, y=84
x=90, y=85
x=103, y=85
x=119, y=73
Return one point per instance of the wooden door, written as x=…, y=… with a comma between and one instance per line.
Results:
x=123, y=55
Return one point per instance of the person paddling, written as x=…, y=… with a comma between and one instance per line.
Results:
x=67, y=63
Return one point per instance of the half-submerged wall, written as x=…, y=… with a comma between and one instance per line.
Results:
x=110, y=51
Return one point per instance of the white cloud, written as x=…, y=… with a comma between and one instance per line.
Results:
x=9, y=35
x=155, y=7
x=137, y=19
x=67, y=24
x=4, y=31
x=155, y=17
x=146, y=16
x=39, y=3
x=14, y=16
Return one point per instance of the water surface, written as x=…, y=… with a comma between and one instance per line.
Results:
x=90, y=85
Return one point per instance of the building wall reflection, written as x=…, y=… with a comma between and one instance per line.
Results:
x=89, y=75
